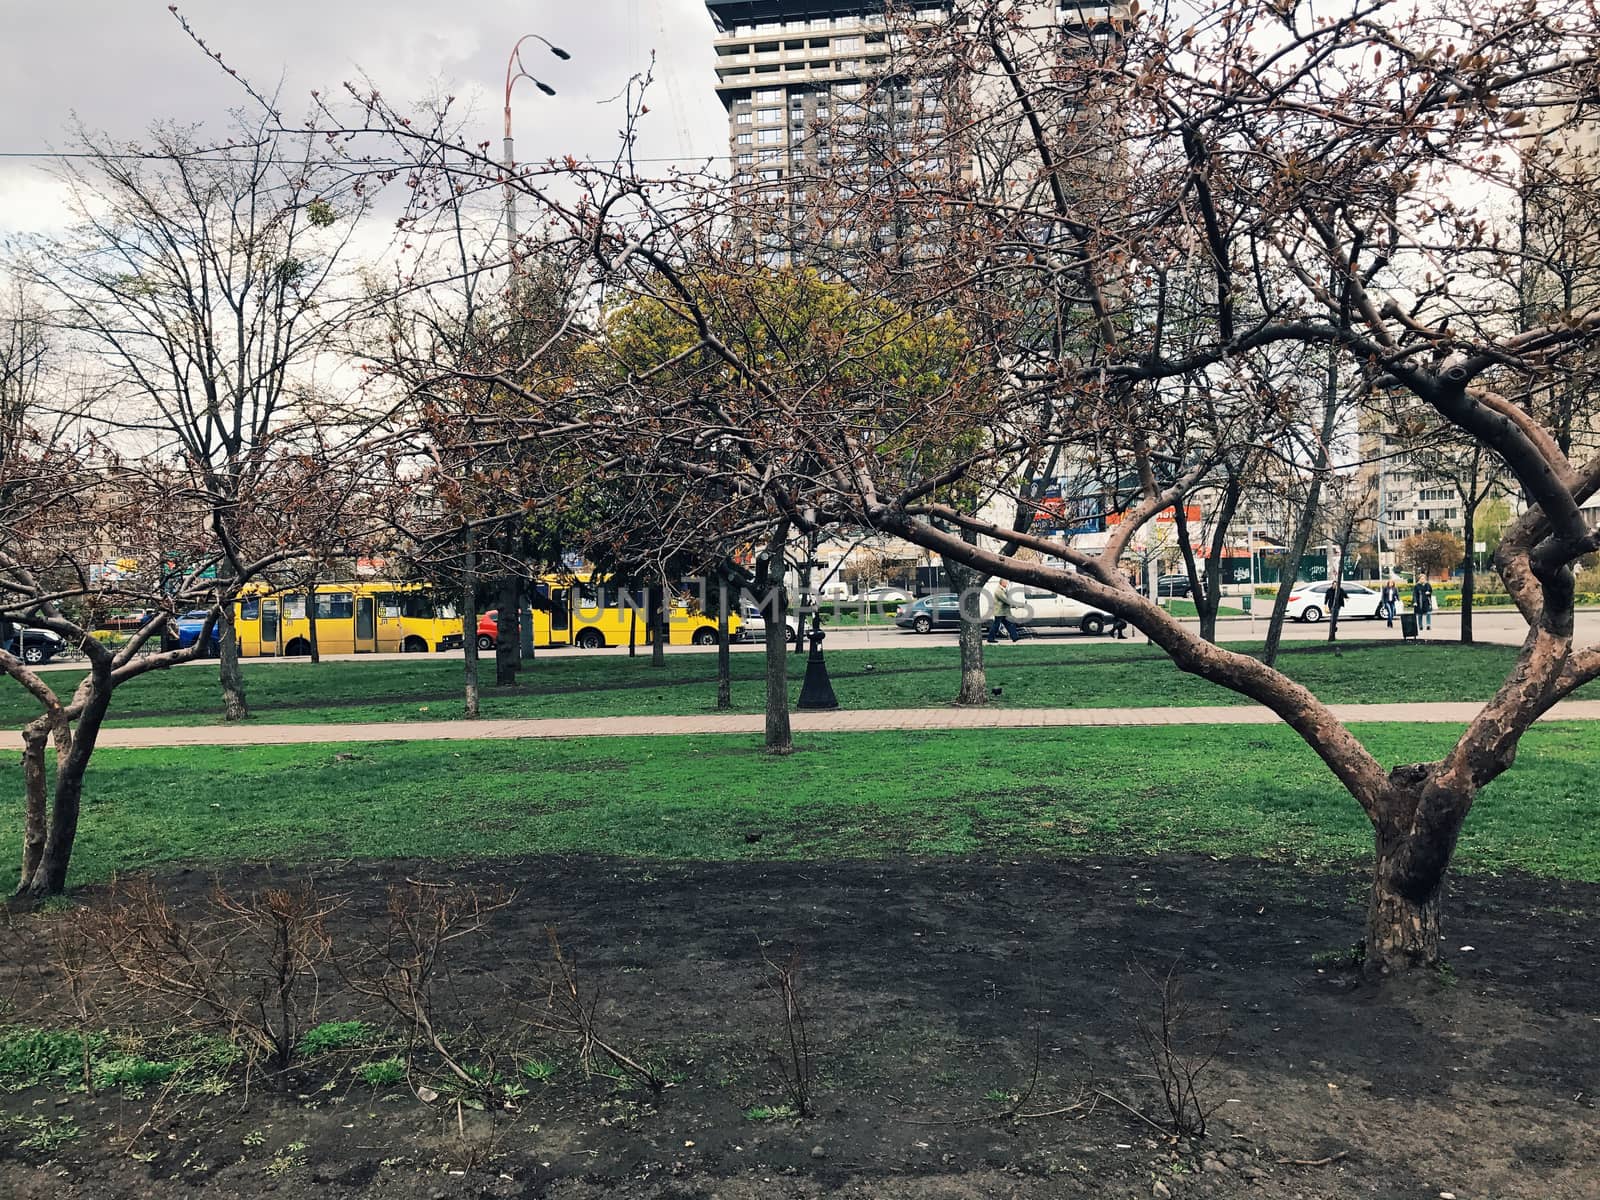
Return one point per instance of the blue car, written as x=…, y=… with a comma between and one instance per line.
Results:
x=183, y=632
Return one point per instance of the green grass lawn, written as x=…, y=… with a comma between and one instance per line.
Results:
x=1032, y=675
x=1227, y=791
x=1179, y=607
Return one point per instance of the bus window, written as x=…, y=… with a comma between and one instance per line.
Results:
x=335, y=606
x=588, y=596
x=250, y=608
x=391, y=605
x=418, y=605
x=294, y=608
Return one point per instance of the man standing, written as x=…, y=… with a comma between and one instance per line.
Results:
x=1422, y=602
x=1389, y=600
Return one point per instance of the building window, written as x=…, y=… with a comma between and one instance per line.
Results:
x=769, y=116
x=743, y=118
x=768, y=95
x=745, y=158
x=771, y=137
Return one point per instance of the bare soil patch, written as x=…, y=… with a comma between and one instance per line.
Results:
x=973, y=1027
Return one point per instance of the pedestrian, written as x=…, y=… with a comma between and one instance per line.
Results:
x=1335, y=598
x=1119, y=628
x=1002, y=616
x=1389, y=600
x=1422, y=602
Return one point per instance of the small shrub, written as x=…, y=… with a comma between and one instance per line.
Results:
x=382, y=1072
x=539, y=1070
x=769, y=1112
x=132, y=1071
x=40, y=1133
x=1349, y=958
x=29, y=1057
x=333, y=1036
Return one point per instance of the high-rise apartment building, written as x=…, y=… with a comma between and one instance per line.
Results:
x=830, y=100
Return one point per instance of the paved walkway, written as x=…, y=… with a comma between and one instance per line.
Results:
x=857, y=721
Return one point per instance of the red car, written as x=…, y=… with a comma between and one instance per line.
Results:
x=488, y=629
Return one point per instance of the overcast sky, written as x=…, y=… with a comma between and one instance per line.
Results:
x=120, y=64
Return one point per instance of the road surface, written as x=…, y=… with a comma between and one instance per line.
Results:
x=1504, y=626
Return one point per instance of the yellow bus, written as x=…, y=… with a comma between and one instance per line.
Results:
x=582, y=610
x=369, y=617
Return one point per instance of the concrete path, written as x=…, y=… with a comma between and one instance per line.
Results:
x=859, y=721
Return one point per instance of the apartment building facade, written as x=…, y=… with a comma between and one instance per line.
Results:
x=833, y=101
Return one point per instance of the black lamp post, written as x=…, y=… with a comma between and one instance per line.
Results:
x=816, y=693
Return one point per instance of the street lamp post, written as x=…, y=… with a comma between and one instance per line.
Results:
x=816, y=692
x=515, y=70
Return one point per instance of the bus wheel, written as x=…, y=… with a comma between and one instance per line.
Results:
x=589, y=639
x=413, y=645
x=705, y=637
x=299, y=648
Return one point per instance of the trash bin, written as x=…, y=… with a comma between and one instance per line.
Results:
x=1246, y=601
x=1408, y=626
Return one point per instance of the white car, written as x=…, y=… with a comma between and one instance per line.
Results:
x=753, y=625
x=1033, y=607
x=1309, y=602
x=882, y=595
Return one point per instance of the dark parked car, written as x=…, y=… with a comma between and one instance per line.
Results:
x=1173, y=585
x=939, y=611
x=35, y=646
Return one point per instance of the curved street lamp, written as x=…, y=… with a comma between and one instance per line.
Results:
x=515, y=70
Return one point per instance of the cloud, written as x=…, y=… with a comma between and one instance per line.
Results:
x=118, y=65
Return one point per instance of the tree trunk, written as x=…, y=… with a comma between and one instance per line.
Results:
x=469, y=628
x=49, y=876
x=508, y=635
x=779, y=738
x=1291, y=571
x=1469, y=575
x=1402, y=934
x=633, y=632
x=34, y=783
x=1205, y=586
x=974, y=679
x=311, y=622
x=235, y=707
x=663, y=628
x=724, y=662
x=1308, y=515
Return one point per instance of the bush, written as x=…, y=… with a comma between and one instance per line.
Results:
x=29, y=1057
x=384, y=1072
x=334, y=1035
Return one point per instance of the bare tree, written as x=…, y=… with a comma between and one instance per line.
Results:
x=205, y=281
x=1308, y=167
